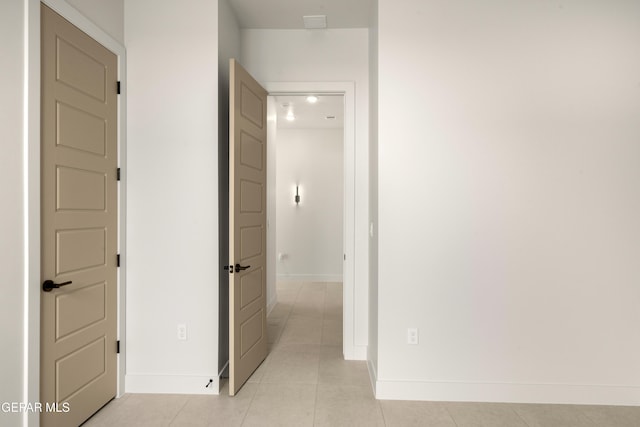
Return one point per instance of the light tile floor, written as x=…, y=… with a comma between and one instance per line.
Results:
x=305, y=382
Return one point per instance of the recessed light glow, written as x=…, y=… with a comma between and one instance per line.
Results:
x=312, y=99
x=290, y=117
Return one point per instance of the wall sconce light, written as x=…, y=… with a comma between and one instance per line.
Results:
x=297, y=198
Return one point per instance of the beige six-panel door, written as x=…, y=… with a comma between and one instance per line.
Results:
x=79, y=223
x=247, y=226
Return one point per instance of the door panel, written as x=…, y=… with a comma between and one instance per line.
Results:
x=79, y=368
x=251, y=242
x=80, y=309
x=81, y=130
x=250, y=197
x=78, y=250
x=79, y=222
x=80, y=190
x=250, y=287
x=247, y=226
x=251, y=151
x=78, y=69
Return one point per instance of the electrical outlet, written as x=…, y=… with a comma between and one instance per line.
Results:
x=412, y=336
x=182, y=332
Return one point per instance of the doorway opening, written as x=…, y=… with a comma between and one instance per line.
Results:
x=344, y=93
x=306, y=216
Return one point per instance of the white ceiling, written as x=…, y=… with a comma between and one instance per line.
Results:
x=287, y=14
x=308, y=115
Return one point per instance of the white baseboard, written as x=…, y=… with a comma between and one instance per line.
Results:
x=271, y=304
x=224, y=372
x=504, y=392
x=172, y=384
x=355, y=352
x=309, y=277
x=373, y=376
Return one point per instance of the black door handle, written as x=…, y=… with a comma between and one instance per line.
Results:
x=241, y=267
x=48, y=285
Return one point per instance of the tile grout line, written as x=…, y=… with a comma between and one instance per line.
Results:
x=520, y=416
x=384, y=419
x=286, y=319
x=244, y=417
x=444, y=406
x=179, y=411
x=246, y=412
x=290, y=312
x=315, y=402
x=281, y=332
x=324, y=301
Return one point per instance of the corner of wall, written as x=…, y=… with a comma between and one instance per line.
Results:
x=228, y=47
x=372, y=354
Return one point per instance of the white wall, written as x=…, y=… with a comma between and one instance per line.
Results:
x=172, y=195
x=12, y=214
x=309, y=233
x=509, y=190
x=325, y=56
x=228, y=47
x=106, y=14
x=372, y=349
x=272, y=135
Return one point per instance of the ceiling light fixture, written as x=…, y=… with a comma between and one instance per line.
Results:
x=290, y=117
x=312, y=99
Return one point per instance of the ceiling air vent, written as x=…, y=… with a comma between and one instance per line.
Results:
x=315, y=22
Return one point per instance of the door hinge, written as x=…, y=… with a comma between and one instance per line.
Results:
x=118, y=260
x=118, y=174
x=118, y=347
x=118, y=87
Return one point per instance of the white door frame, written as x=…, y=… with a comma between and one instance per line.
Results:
x=347, y=89
x=31, y=332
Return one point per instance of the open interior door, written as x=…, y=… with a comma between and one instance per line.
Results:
x=247, y=226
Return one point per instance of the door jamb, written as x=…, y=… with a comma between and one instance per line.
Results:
x=347, y=89
x=31, y=179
